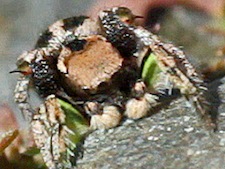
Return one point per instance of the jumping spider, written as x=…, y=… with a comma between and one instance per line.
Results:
x=95, y=64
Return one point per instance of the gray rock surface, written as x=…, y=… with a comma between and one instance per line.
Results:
x=174, y=137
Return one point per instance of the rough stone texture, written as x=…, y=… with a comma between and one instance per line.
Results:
x=174, y=137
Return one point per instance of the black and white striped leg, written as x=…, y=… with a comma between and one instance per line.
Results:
x=21, y=97
x=52, y=135
x=174, y=63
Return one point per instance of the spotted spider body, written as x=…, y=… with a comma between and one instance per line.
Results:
x=120, y=34
x=98, y=62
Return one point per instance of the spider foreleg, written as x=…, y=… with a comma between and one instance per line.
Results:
x=52, y=135
x=21, y=97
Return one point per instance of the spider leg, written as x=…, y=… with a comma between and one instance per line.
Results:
x=21, y=94
x=141, y=102
x=21, y=97
x=102, y=116
x=181, y=73
x=52, y=135
x=55, y=34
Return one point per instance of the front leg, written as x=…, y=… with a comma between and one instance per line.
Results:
x=173, y=62
x=21, y=97
x=184, y=76
x=21, y=94
x=52, y=136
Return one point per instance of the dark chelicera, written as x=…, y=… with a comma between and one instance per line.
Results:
x=119, y=34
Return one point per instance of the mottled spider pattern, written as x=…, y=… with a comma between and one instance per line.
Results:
x=95, y=64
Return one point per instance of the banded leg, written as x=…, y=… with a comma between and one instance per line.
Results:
x=51, y=135
x=181, y=73
x=102, y=117
x=21, y=97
